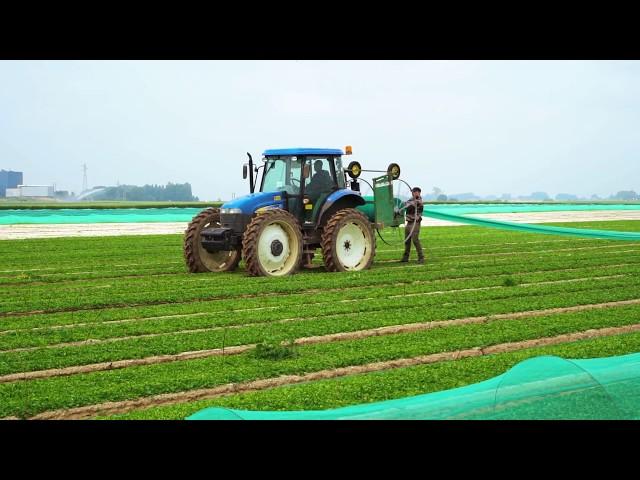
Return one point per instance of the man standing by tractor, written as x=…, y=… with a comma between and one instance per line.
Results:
x=414, y=208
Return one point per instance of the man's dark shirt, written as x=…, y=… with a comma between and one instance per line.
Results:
x=320, y=182
x=412, y=205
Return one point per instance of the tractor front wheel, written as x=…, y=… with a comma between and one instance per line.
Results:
x=348, y=243
x=197, y=258
x=272, y=244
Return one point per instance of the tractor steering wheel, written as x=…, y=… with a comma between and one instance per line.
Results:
x=294, y=186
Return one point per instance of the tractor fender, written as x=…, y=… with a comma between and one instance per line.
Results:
x=337, y=201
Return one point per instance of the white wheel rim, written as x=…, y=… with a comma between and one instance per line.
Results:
x=352, y=246
x=218, y=260
x=280, y=262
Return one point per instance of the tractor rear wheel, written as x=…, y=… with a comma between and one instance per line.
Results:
x=348, y=243
x=197, y=258
x=272, y=244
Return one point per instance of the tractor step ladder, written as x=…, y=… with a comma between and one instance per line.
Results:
x=307, y=257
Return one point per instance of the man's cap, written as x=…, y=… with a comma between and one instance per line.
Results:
x=416, y=189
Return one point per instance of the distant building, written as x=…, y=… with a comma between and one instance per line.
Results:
x=31, y=191
x=9, y=179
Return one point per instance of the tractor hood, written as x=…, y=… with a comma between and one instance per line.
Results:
x=250, y=203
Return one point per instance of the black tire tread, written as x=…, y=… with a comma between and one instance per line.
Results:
x=192, y=237
x=250, y=239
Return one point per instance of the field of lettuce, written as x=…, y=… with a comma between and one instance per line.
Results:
x=115, y=327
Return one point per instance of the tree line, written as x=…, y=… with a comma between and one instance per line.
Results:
x=440, y=196
x=174, y=192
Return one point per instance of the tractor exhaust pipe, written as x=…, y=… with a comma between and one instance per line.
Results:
x=251, y=185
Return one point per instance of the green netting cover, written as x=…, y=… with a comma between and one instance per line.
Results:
x=525, y=227
x=180, y=214
x=540, y=388
x=458, y=213
x=87, y=215
x=463, y=209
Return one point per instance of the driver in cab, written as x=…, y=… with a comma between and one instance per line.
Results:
x=320, y=182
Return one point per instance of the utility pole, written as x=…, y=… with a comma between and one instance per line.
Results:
x=84, y=177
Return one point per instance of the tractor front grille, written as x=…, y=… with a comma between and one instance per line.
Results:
x=235, y=221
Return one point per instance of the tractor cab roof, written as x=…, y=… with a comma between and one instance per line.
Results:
x=303, y=151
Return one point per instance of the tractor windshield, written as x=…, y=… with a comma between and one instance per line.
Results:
x=282, y=174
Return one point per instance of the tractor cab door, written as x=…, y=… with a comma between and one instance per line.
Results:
x=294, y=186
x=319, y=174
x=283, y=174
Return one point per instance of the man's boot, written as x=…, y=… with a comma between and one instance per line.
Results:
x=421, y=260
x=405, y=255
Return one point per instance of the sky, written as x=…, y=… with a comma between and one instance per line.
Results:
x=488, y=127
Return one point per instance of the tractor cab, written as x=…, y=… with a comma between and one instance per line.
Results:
x=305, y=177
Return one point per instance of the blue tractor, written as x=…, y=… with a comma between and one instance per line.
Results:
x=306, y=201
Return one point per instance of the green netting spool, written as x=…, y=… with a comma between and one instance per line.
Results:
x=369, y=208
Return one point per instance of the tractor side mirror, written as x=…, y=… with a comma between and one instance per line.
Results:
x=244, y=171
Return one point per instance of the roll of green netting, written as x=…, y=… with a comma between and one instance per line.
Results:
x=540, y=388
x=369, y=207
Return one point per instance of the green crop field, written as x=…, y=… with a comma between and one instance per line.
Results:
x=115, y=327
